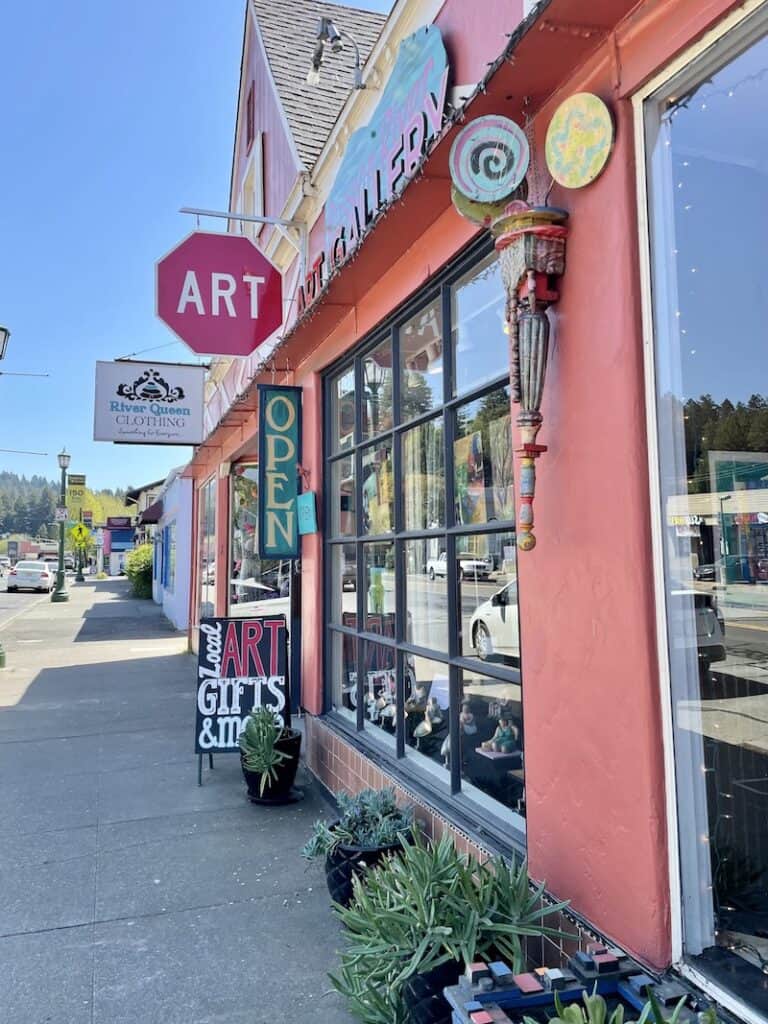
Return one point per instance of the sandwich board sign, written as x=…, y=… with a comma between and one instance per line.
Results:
x=242, y=664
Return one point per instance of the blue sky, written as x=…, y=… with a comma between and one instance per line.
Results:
x=113, y=116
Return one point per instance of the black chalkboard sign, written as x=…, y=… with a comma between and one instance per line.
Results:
x=241, y=664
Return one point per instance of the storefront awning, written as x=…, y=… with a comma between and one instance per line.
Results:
x=151, y=514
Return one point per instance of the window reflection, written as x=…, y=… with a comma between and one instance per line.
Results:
x=377, y=391
x=487, y=573
x=343, y=519
x=424, y=476
x=344, y=661
x=379, y=576
x=343, y=582
x=479, y=342
x=492, y=738
x=421, y=362
x=343, y=411
x=483, y=460
x=713, y=423
x=379, y=686
x=426, y=595
x=378, y=494
x=207, y=548
x=427, y=709
x=256, y=586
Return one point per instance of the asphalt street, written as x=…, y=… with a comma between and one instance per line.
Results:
x=12, y=604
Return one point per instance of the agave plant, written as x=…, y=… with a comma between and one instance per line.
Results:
x=424, y=907
x=258, y=745
x=595, y=1011
x=369, y=819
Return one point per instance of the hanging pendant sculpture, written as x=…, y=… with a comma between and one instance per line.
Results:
x=531, y=246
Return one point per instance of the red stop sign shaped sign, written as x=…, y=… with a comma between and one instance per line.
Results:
x=219, y=294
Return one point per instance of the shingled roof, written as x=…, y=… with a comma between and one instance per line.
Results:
x=289, y=28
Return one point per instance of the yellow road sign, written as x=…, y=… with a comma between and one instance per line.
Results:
x=80, y=533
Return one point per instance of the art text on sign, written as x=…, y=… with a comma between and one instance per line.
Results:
x=242, y=664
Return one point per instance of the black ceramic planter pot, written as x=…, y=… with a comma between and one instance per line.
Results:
x=423, y=994
x=279, y=790
x=343, y=862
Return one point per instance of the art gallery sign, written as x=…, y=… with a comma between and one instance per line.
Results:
x=148, y=403
x=381, y=158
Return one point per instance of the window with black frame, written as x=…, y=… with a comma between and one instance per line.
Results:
x=423, y=641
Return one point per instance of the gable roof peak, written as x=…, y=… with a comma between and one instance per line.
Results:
x=288, y=29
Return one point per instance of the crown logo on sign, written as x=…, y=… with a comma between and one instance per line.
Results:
x=150, y=387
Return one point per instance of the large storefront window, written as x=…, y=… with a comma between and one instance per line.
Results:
x=423, y=652
x=707, y=144
x=256, y=586
x=206, y=570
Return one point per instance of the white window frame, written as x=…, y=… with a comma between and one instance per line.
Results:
x=710, y=39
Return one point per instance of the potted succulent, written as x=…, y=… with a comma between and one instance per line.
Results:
x=420, y=917
x=371, y=825
x=269, y=757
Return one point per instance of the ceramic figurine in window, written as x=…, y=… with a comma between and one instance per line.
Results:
x=467, y=719
x=418, y=699
x=468, y=727
x=432, y=716
x=504, y=740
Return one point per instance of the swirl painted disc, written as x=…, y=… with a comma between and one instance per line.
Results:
x=489, y=159
x=579, y=140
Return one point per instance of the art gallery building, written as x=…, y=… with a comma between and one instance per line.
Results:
x=623, y=659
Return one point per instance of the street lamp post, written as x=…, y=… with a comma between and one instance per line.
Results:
x=60, y=592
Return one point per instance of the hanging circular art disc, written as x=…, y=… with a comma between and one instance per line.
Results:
x=489, y=159
x=579, y=140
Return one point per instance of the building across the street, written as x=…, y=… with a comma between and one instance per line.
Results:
x=598, y=700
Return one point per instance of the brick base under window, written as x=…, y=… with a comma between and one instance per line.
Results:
x=341, y=768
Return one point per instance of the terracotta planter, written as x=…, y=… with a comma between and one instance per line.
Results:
x=277, y=790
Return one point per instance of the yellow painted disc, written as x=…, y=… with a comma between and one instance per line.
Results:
x=579, y=140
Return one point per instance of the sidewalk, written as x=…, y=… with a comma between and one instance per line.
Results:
x=128, y=895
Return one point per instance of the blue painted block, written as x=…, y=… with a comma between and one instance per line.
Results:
x=639, y=981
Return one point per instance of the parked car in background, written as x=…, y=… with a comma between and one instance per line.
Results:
x=469, y=566
x=494, y=629
x=31, y=576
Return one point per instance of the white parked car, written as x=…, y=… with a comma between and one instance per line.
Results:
x=493, y=628
x=31, y=576
x=469, y=567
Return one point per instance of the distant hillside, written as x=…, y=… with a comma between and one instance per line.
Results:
x=27, y=504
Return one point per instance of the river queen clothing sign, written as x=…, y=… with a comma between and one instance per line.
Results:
x=242, y=664
x=279, y=460
x=148, y=403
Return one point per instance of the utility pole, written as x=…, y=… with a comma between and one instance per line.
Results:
x=60, y=592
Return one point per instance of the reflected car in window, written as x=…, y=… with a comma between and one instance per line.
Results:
x=494, y=629
x=710, y=625
x=469, y=567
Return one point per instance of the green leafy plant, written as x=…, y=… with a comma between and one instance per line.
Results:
x=138, y=569
x=595, y=1011
x=367, y=820
x=428, y=905
x=258, y=745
